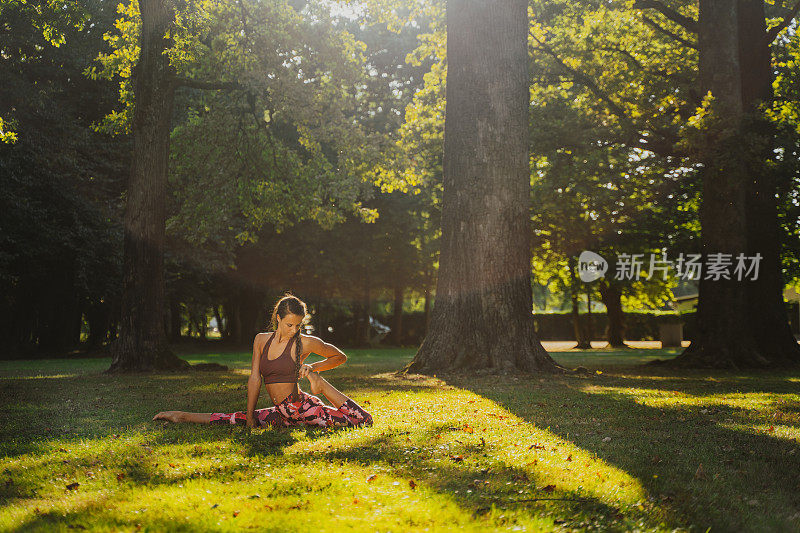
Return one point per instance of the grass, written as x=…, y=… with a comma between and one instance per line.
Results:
x=625, y=449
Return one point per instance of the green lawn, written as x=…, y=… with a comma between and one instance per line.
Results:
x=623, y=449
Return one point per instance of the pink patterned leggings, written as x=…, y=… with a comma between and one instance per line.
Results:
x=308, y=410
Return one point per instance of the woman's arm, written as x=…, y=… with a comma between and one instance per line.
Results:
x=333, y=355
x=253, y=384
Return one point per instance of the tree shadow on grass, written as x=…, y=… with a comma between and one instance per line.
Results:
x=37, y=412
x=747, y=481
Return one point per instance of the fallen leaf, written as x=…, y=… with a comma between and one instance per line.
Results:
x=235, y=514
x=371, y=478
x=536, y=446
x=468, y=429
x=215, y=506
x=355, y=501
x=699, y=473
x=412, y=484
x=549, y=488
x=73, y=486
x=569, y=457
x=457, y=458
x=120, y=476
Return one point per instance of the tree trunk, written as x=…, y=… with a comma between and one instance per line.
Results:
x=397, y=319
x=175, y=320
x=765, y=305
x=611, y=296
x=427, y=309
x=580, y=331
x=589, y=318
x=98, y=316
x=233, y=331
x=142, y=343
x=482, y=319
x=723, y=339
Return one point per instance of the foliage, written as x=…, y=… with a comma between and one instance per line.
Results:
x=60, y=181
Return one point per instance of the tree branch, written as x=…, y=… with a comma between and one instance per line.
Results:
x=773, y=32
x=632, y=135
x=631, y=60
x=685, y=22
x=668, y=33
x=586, y=80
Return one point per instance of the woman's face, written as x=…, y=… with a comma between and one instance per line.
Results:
x=289, y=325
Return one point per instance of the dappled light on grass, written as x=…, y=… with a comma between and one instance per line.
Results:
x=617, y=450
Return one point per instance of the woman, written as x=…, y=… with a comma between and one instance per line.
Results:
x=280, y=370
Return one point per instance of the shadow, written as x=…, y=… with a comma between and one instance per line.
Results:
x=747, y=481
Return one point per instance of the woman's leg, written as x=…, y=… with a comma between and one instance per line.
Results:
x=320, y=385
x=268, y=416
x=346, y=412
x=183, y=416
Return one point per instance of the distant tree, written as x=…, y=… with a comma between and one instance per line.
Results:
x=277, y=147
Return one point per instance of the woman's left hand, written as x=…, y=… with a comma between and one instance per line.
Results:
x=305, y=370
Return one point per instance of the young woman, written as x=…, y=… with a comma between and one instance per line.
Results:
x=280, y=368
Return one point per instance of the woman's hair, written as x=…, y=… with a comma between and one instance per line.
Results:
x=291, y=305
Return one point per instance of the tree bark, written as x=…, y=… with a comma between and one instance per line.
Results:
x=142, y=343
x=580, y=331
x=482, y=319
x=175, y=321
x=611, y=296
x=765, y=304
x=589, y=317
x=427, y=309
x=724, y=338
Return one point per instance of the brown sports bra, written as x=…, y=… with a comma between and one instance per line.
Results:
x=281, y=369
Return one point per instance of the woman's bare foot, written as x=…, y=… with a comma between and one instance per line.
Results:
x=315, y=380
x=171, y=416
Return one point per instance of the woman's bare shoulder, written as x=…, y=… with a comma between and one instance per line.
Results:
x=261, y=337
x=310, y=341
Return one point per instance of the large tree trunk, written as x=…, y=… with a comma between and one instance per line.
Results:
x=427, y=309
x=482, y=318
x=766, y=309
x=724, y=338
x=611, y=296
x=142, y=343
x=175, y=321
